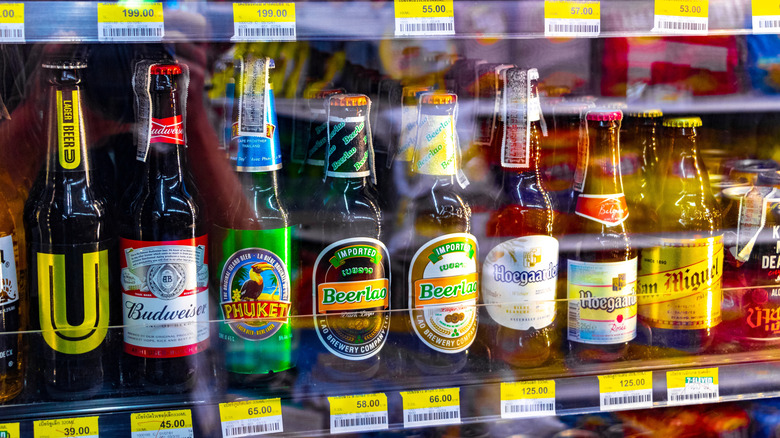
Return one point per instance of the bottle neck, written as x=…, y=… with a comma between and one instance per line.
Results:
x=684, y=160
x=603, y=175
x=644, y=137
x=518, y=183
x=166, y=156
x=349, y=154
x=67, y=145
x=436, y=151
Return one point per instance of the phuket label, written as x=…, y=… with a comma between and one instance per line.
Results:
x=680, y=283
x=602, y=301
x=165, y=297
x=351, y=297
x=518, y=283
x=610, y=210
x=443, y=292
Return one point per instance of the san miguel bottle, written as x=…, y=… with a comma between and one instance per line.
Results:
x=680, y=276
x=520, y=273
x=602, y=270
x=163, y=252
x=351, y=277
x=72, y=243
x=643, y=188
x=253, y=250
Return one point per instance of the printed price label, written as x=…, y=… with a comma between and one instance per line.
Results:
x=358, y=413
x=251, y=417
x=572, y=18
x=626, y=391
x=264, y=22
x=168, y=424
x=528, y=399
x=421, y=18
x=431, y=407
x=127, y=23
x=12, y=22
x=766, y=16
x=86, y=427
x=681, y=16
x=9, y=430
x=692, y=386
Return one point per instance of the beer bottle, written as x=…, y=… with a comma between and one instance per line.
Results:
x=602, y=272
x=351, y=277
x=13, y=304
x=520, y=273
x=71, y=245
x=680, y=276
x=163, y=252
x=441, y=266
x=642, y=187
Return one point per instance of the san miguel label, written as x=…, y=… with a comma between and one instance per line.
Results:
x=351, y=294
x=69, y=129
x=165, y=297
x=680, y=283
x=443, y=292
x=610, y=210
x=167, y=130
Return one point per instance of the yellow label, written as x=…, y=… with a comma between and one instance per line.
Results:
x=66, y=428
x=626, y=382
x=263, y=12
x=680, y=378
x=9, y=430
x=423, y=9
x=12, y=13
x=435, y=153
x=581, y=10
x=760, y=7
x=682, y=8
x=680, y=283
x=118, y=13
x=358, y=404
x=246, y=410
x=163, y=420
x=431, y=398
x=69, y=129
x=534, y=389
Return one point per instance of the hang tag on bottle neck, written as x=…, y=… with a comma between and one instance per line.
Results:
x=253, y=74
x=342, y=158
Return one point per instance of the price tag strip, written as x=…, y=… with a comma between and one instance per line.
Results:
x=125, y=23
x=687, y=387
x=264, y=22
x=432, y=407
x=9, y=430
x=251, y=417
x=681, y=16
x=572, y=18
x=766, y=16
x=626, y=391
x=168, y=424
x=528, y=399
x=358, y=413
x=12, y=23
x=85, y=427
x=424, y=18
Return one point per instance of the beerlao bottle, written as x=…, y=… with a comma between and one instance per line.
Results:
x=71, y=246
x=164, y=252
x=351, y=276
x=519, y=274
x=253, y=249
x=680, y=276
x=602, y=270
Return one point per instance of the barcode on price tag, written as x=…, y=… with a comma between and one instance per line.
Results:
x=168, y=424
x=358, y=413
x=692, y=386
x=572, y=18
x=681, y=16
x=424, y=18
x=251, y=417
x=11, y=23
x=626, y=391
x=766, y=16
x=528, y=399
x=130, y=23
x=264, y=22
x=85, y=427
x=431, y=407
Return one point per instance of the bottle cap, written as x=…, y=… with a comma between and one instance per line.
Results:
x=64, y=64
x=165, y=69
x=348, y=100
x=438, y=98
x=412, y=90
x=683, y=122
x=323, y=94
x=645, y=113
x=604, y=115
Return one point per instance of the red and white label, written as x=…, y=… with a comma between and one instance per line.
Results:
x=165, y=297
x=168, y=130
x=609, y=210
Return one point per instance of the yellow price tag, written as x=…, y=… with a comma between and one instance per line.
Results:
x=564, y=9
x=534, y=389
x=424, y=9
x=682, y=8
x=357, y=404
x=9, y=430
x=12, y=13
x=245, y=410
x=692, y=386
x=766, y=7
x=263, y=12
x=66, y=428
x=431, y=398
x=117, y=13
x=163, y=420
x=626, y=382
x=679, y=379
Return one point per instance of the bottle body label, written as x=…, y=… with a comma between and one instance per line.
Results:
x=9, y=305
x=351, y=296
x=602, y=301
x=165, y=297
x=610, y=210
x=518, y=282
x=680, y=283
x=443, y=292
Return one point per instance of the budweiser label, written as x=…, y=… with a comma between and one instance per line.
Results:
x=610, y=210
x=167, y=130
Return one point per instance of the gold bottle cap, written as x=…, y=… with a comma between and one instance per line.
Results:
x=438, y=99
x=645, y=113
x=683, y=122
x=348, y=100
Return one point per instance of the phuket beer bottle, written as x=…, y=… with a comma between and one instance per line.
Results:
x=71, y=245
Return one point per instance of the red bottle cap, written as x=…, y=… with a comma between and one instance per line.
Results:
x=165, y=69
x=605, y=115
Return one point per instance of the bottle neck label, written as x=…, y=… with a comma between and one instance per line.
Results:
x=348, y=154
x=610, y=210
x=318, y=138
x=167, y=130
x=408, y=134
x=256, y=144
x=436, y=150
x=519, y=109
x=69, y=129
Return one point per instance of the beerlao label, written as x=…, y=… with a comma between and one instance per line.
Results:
x=680, y=283
x=435, y=152
x=351, y=297
x=68, y=129
x=348, y=152
x=610, y=210
x=602, y=301
x=168, y=130
x=443, y=291
x=518, y=282
x=165, y=297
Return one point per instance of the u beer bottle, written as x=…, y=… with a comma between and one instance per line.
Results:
x=72, y=243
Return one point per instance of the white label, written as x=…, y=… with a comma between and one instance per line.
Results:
x=130, y=31
x=571, y=27
x=425, y=26
x=527, y=408
x=518, y=282
x=9, y=288
x=766, y=23
x=358, y=422
x=680, y=25
x=252, y=426
x=432, y=416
